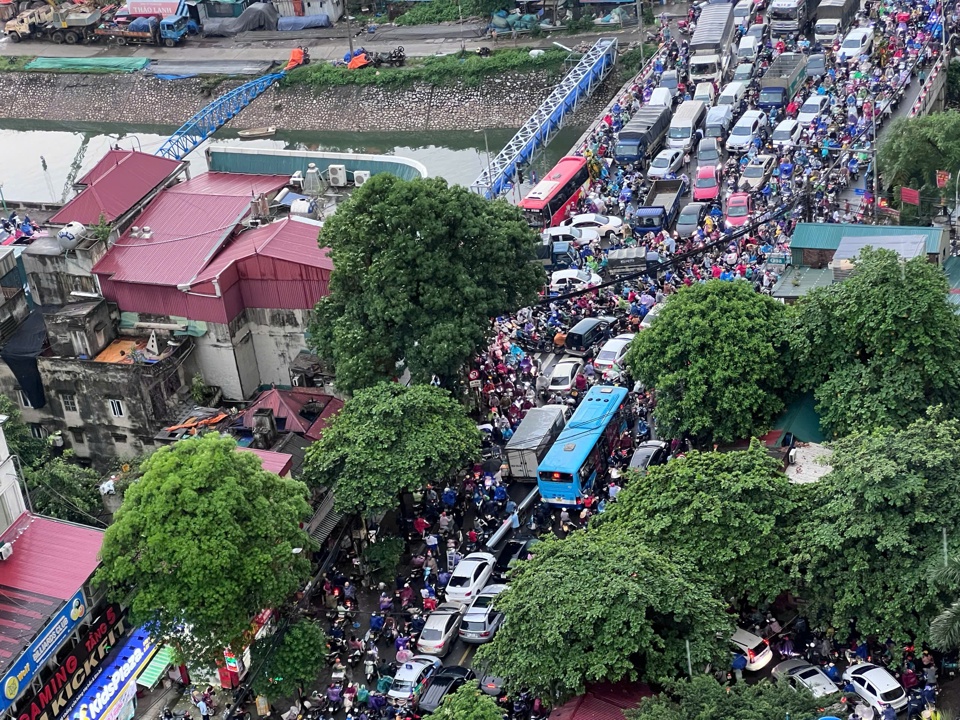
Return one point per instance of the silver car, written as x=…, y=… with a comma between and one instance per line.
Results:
x=440, y=630
x=666, y=162
x=481, y=621
x=800, y=673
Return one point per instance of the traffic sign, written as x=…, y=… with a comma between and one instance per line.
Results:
x=860, y=191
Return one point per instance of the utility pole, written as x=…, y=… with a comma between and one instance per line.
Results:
x=640, y=28
x=346, y=11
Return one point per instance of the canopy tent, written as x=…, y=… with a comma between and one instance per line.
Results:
x=157, y=667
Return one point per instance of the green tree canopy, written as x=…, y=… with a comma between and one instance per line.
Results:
x=872, y=532
x=880, y=347
x=420, y=267
x=912, y=151
x=731, y=514
x=703, y=698
x=204, y=541
x=20, y=441
x=294, y=662
x=388, y=439
x=601, y=605
x=468, y=703
x=61, y=489
x=713, y=356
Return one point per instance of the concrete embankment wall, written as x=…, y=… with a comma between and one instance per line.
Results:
x=506, y=102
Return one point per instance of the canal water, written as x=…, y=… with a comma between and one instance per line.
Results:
x=41, y=160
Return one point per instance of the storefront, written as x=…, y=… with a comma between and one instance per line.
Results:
x=112, y=692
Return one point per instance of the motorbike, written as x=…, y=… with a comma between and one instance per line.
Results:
x=168, y=714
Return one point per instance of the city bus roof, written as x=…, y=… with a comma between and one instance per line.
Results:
x=578, y=438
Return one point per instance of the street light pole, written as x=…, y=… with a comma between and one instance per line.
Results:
x=640, y=28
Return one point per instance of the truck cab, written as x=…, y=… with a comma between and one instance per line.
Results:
x=27, y=23
x=173, y=29
x=787, y=17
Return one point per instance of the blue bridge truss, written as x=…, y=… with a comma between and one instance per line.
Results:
x=206, y=122
x=547, y=120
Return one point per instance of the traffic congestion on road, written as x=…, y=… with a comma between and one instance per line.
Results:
x=741, y=125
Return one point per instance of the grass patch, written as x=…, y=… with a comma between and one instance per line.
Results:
x=470, y=69
x=628, y=64
x=14, y=63
x=438, y=11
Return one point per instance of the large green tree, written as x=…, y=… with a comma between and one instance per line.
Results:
x=872, y=533
x=601, y=605
x=703, y=698
x=388, y=439
x=204, y=541
x=880, y=347
x=420, y=267
x=714, y=358
x=468, y=703
x=731, y=514
x=287, y=664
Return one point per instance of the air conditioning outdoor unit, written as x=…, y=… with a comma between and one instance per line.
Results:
x=338, y=175
x=360, y=177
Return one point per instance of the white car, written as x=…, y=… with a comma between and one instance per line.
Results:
x=578, y=236
x=411, y=677
x=607, y=226
x=857, y=42
x=812, y=108
x=481, y=622
x=666, y=162
x=613, y=351
x=755, y=648
x=469, y=577
x=750, y=125
x=440, y=630
x=875, y=685
x=564, y=374
x=800, y=673
x=787, y=133
x=563, y=281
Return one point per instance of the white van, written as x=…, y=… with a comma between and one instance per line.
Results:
x=661, y=97
x=686, y=121
x=741, y=13
x=706, y=92
x=732, y=94
x=748, y=49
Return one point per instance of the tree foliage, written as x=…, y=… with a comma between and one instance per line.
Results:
x=468, y=703
x=295, y=662
x=945, y=628
x=872, y=531
x=420, y=268
x=203, y=542
x=703, y=698
x=389, y=439
x=731, y=514
x=713, y=356
x=600, y=605
x=914, y=149
x=20, y=441
x=61, y=489
x=880, y=347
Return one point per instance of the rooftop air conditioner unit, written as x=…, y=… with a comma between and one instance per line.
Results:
x=146, y=233
x=6, y=550
x=360, y=177
x=338, y=175
x=296, y=180
x=135, y=232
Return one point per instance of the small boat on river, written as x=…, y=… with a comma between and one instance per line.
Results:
x=258, y=132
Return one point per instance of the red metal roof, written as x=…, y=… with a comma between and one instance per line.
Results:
x=275, y=462
x=287, y=406
x=189, y=224
x=603, y=701
x=50, y=557
x=119, y=181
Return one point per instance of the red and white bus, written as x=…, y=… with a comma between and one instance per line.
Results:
x=546, y=205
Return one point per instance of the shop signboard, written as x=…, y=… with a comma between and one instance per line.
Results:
x=40, y=650
x=83, y=663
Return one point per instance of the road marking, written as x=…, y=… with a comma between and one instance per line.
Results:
x=463, y=658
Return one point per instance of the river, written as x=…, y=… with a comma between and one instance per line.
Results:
x=41, y=160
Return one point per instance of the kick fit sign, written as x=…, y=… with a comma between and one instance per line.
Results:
x=55, y=695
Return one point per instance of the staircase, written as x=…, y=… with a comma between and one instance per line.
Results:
x=324, y=520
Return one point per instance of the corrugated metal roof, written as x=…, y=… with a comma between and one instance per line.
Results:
x=188, y=223
x=119, y=181
x=798, y=281
x=287, y=162
x=50, y=557
x=287, y=406
x=827, y=236
x=276, y=462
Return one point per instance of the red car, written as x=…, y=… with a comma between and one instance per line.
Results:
x=739, y=209
x=707, y=184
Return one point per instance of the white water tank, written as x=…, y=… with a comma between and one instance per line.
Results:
x=70, y=235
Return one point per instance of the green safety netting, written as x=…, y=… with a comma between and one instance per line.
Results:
x=106, y=64
x=154, y=671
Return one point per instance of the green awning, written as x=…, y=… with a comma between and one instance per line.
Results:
x=157, y=667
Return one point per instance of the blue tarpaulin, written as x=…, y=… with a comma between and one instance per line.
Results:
x=303, y=23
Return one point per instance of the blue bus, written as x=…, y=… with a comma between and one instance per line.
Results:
x=580, y=453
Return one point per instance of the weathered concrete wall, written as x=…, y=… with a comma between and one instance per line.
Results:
x=504, y=103
x=278, y=336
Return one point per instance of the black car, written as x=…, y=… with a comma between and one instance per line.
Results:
x=515, y=549
x=650, y=453
x=446, y=682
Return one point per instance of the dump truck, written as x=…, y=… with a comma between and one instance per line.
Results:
x=70, y=24
x=659, y=210
x=782, y=80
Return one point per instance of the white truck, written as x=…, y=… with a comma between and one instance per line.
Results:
x=529, y=444
x=710, y=51
x=833, y=18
